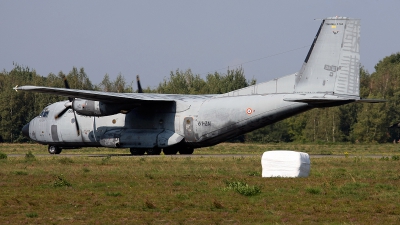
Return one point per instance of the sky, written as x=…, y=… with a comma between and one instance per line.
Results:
x=151, y=38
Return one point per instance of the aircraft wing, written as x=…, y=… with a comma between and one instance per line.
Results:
x=110, y=97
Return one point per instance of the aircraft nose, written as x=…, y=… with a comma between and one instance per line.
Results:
x=25, y=130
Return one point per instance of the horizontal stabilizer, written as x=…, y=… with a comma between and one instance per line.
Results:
x=317, y=100
x=329, y=100
x=312, y=98
x=371, y=100
x=322, y=102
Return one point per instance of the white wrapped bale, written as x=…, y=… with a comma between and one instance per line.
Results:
x=285, y=164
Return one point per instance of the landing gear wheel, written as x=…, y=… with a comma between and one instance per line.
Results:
x=170, y=151
x=137, y=151
x=54, y=149
x=153, y=151
x=186, y=151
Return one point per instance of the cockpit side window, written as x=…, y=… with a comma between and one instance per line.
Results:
x=44, y=113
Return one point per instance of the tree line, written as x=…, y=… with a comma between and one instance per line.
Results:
x=365, y=123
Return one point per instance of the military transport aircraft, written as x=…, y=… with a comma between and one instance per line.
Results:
x=151, y=123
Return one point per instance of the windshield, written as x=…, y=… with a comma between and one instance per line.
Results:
x=44, y=113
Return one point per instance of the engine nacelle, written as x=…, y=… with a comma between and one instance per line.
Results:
x=95, y=108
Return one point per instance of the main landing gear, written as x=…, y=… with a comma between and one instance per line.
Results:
x=54, y=149
x=167, y=151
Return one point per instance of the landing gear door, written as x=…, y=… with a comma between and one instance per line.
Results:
x=188, y=128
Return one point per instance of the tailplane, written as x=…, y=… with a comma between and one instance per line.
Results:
x=332, y=65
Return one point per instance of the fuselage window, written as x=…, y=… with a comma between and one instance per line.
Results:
x=44, y=113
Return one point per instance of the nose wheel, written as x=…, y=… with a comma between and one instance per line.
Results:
x=54, y=149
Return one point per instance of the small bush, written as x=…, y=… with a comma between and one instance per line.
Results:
x=65, y=160
x=61, y=182
x=242, y=188
x=218, y=204
x=313, y=190
x=3, y=155
x=105, y=160
x=384, y=158
x=181, y=196
x=395, y=158
x=114, y=194
x=254, y=174
x=20, y=173
x=178, y=183
x=149, y=176
x=149, y=204
x=32, y=215
x=30, y=156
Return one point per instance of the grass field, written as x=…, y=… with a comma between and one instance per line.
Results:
x=233, y=148
x=202, y=190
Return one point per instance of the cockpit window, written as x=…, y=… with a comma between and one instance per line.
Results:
x=44, y=113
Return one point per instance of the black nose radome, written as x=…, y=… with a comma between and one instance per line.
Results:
x=25, y=130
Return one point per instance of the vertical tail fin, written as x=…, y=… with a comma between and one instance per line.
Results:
x=333, y=62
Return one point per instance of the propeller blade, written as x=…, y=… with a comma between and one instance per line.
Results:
x=65, y=82
x=60, y=114
x=76, y=124
x=67, y=87
x=68, y=105
x=138, y=84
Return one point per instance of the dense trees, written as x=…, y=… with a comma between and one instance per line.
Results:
x=348, y=123
x=185, y=82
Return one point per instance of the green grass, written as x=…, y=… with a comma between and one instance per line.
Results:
x=242, y=188
x=30, y=156
x=3, y=156
x=31, y=215
x=60, y=181
x=344, y=149
x=203, y=190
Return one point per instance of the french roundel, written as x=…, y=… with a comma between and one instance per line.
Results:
x=249, y=111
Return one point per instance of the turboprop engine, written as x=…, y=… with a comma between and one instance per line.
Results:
x=95, y=108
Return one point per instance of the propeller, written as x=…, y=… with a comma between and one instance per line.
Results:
x=138, y=84
x=68, y=106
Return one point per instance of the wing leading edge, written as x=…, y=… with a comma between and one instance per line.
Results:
x=110, y=97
